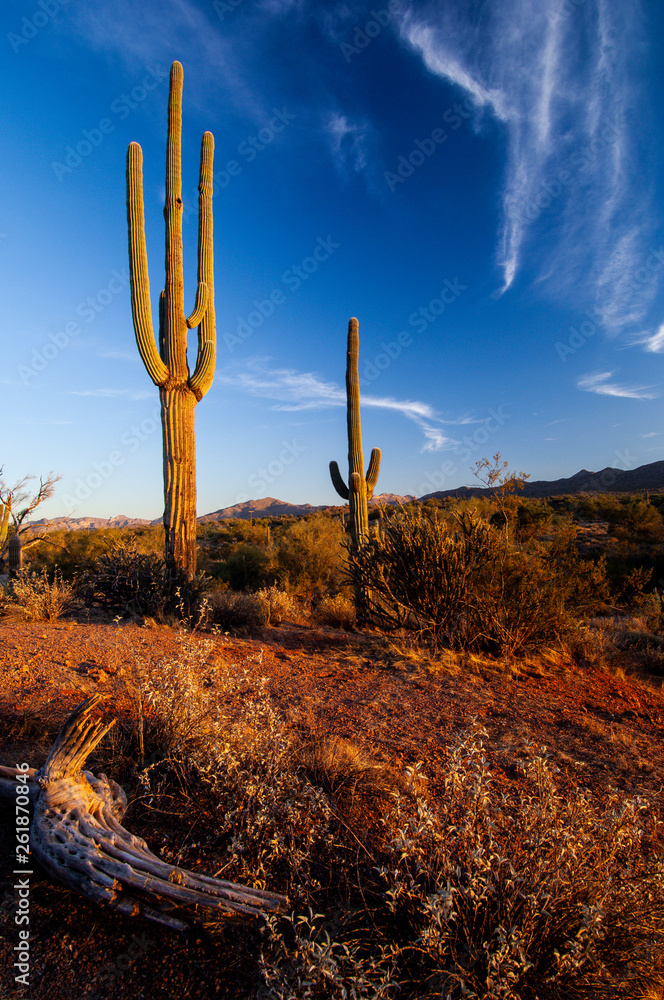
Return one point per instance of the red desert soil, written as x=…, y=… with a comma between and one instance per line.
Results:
x=601, y=731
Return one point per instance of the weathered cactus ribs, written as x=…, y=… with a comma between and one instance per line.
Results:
x=77, y=837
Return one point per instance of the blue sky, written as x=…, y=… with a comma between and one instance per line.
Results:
x=477, y=182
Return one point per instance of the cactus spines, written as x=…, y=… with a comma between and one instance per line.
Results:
x=166, y=360
x=360, y=487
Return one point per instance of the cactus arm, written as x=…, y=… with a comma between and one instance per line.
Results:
x=337, y=481
x=162, y=322
x=200, y=306
x=355, y=483
x=206, y=358
x=372, y=472
x=138, y=269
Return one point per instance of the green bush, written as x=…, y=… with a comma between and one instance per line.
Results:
x=309, y=557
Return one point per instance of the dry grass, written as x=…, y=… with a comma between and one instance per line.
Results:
x=236, y=613
x=335, y=612
x=498, y=894
x=501, y=891
x=31, y=597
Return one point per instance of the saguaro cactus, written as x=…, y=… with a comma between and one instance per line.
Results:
x=360, y=487
x=166, y=364
x=5, y=511
x=15, y=555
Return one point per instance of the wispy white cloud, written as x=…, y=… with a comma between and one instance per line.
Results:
x=144, y=35
x=600, y=384
x=651, y=341
x=555, y=77
x=296, y=391
x=113, y=393
x=350, y=142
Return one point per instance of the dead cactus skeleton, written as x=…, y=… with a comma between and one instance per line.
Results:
x=77, y=837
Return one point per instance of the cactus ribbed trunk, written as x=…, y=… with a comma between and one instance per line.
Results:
x=15, y=555
x=177, y=421
x=359, y=515
x=167, y=364
x=360, y=487
x=5, y=511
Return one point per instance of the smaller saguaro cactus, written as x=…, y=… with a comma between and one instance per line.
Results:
x=14, y=555
x=360, y=487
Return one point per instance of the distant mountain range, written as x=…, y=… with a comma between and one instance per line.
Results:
x=646, y=477
x=267, y=507
x=270, y=507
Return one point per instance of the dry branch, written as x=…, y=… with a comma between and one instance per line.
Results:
x=77, y=837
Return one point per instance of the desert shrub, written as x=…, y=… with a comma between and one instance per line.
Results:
x=32, y=597
x=128, y=581
x=236, y=765
x=309, y=556
x=459, y=581
x=505, y=895
x=419, y=572
x=336, y=612
x=236, y=612
x=75, y=552
x=531, y=518
x=501, y=892
x=247, y=568
x=278, y=605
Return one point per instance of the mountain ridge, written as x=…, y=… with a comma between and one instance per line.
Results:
x=648, y=477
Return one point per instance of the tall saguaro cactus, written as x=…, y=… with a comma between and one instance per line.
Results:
x=166, y=363
x=360, y=487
